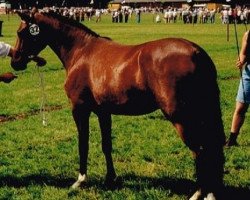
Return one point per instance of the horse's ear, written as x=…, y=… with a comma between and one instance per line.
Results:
x=34, y=10
x=24, y=16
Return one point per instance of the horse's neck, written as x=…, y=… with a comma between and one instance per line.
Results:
x=62, y=44
x=64, y=40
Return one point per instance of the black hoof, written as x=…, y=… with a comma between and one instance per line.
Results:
x=113, y=183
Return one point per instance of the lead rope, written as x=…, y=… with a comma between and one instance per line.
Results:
x=43, y=97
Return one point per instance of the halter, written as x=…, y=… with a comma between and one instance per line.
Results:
x=33, y=31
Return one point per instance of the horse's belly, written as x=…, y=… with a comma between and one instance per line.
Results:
x=133, y=106
x=132, y=110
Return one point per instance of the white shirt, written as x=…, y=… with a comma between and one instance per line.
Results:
x=4, y=49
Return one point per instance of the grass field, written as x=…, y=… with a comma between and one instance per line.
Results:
x=41, y=162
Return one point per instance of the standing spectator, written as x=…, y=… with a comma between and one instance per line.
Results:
x=98, y=15
x=158, y=18
x=166, y=16
x=126, y=14
x=243, y=96
x=225, y=16
x=174, y=15
x=212, y=16
x=120, y=16
x=230, y=16
x=138, y=15
x=194, y=16
x=185, y=14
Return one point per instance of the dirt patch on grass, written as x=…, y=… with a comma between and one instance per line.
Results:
x=6, y=118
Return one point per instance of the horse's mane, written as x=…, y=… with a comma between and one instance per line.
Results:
x=72, y=22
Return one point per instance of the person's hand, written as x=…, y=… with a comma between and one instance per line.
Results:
x=39, y=61
x=239, y=64
x=7, y=77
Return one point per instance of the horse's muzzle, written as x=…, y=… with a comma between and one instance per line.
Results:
x=19, y=61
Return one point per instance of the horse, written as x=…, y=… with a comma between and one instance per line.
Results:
x=104, y=77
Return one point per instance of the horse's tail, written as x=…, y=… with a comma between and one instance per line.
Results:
x=210, y=162
x=208, y=97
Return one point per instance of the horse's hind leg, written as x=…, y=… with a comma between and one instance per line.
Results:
x=202, y=136
x=105, y=126
x=208, y=158
x=81, y=117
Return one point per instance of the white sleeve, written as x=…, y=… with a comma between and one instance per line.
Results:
x=4, y=49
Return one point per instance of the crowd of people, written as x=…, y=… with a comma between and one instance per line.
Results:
x=168, y=15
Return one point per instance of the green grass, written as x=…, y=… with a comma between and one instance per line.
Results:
x=41, y=162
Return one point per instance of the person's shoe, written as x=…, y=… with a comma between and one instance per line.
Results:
x=230, y=143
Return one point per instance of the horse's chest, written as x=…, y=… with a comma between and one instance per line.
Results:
x=76, y=87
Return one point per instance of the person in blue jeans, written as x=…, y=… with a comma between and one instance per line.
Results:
x=243, y=95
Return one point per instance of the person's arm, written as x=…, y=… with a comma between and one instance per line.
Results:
x=5, y=49
x=243, y=52
x=7, y=77
x=11, y=51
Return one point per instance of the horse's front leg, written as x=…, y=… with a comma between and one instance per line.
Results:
x=81, y=117
x=105, y=122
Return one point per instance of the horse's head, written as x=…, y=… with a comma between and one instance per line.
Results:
x=30, y=41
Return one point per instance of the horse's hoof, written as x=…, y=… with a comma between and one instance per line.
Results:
x=196, y=195
x=210, y=196
x=82, y=179
x=113, y=183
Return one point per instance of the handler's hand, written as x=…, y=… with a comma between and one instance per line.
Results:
x=239, y=64
x=39, y=61
x=7, y=77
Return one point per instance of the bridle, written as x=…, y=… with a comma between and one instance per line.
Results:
x=30, y=33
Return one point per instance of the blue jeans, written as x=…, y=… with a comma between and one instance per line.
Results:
x=243, y=94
